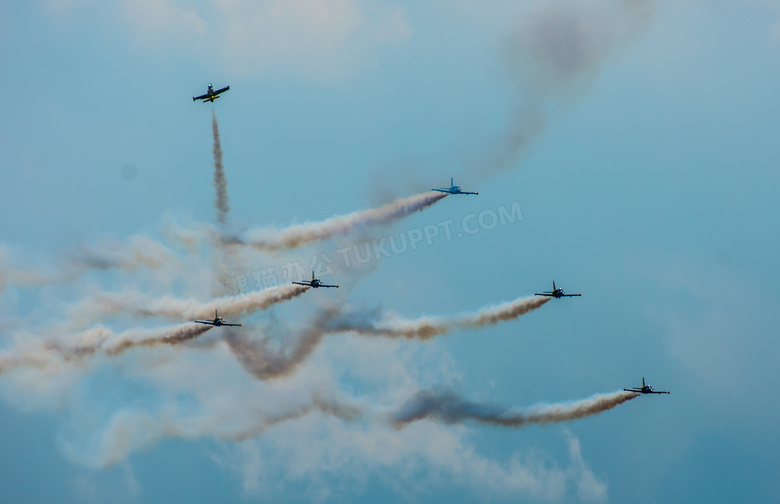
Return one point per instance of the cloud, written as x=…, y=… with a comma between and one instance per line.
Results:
x=322, y=459
x=153, y=17
x=318, y=457
x=589, y=488
x=554, y=51
x=322, y=38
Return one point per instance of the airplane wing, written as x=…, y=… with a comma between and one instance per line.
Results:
x=200, y=97
x=659, y=392
x=633, y=390
x=231, y=325
x=323, y=285
x=221, y=90
x=207, y=322
x=466, y=192
x=302, y=283
x=572, y=295
x=548, y=294
x=440, y=190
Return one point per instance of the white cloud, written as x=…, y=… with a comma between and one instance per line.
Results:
x=310, y=36
x=277, y=443
x=589, y=488
x=324, y=38
x=332, y=459
x=153, y=17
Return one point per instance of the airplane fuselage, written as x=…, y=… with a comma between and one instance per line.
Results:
x=453, y=189
x=555, y=293
x=211, y=94
x=645, y=389
x=217, y=322
x=314, y=282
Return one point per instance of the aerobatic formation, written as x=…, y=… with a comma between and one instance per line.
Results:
x=158, y=320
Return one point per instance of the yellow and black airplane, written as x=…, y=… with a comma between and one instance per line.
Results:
x=210, y=95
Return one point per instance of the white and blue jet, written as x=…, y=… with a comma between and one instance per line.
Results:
x=314, y=283
x=453, y=189
x=645, y=389
x=217, y=322
x=557, y=293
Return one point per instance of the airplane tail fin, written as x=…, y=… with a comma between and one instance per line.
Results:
x=643, y=381
x=452, y=181
x=553, y=285
x=312, y=275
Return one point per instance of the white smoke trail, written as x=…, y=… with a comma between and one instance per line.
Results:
x=49, y=353
x=174, y=335
x=449, y=408
x=133, y=429
x=131, y=254
x=302, y=234
x=264, y=363
x=128, y=255
x=221, y=203
x=424, y=328
x=141, y=305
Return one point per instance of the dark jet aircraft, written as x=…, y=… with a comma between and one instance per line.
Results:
x=216, y=322
x=210, y=95
x=453, y=189
x=646, y=389
x=556, y=293
x=314, y=282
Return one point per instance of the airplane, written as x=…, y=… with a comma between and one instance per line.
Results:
x=216, y=322
x=646, y=389
x=210, y=95
x=315, y=282
x=453, y=189
x=556, y=293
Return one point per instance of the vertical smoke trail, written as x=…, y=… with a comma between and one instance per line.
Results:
x=220, y=182
x=450, y=408
x=425, y=328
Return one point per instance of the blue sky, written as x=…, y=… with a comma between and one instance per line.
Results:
x=647, y=182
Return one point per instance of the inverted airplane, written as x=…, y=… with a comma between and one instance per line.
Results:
x=556, y=293
x=211, y=94
x=453, y=189
x=314, y=282
x=646, y=389
x=217, y=322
